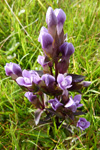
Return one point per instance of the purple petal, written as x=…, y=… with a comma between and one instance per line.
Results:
x=55, y=103
x=26, y=73
x=17, y=69
x=30, y=96
x=60, y=78
x=86, y=83
x=24, y=81
x=46, y=40
x=61, y=16
x=68, y=79
x=48, y=79
x=77, y=98
x=51, y=17
x=70, y=49
x=71, y=105
x=40, y=60
x=43, y=29
x=8, y=70
x=64, y=48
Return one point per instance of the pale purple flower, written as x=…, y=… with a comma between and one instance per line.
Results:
x=40, y=60
x=35, y=77
x=51, y=18
x=67, y=49
x=71, y=105
x=43, y=29
x=61, y=17
x=48, y=79
x=12, y=68
x=25, y=80
x=64, y=82
x=55, y=103
x=30, y=96
x=83, y=123
x=86, y=83
x=77, y=99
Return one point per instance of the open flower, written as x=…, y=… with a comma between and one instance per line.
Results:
x=77, y=99
x=71, y=105
x=64, y=82
x=83, y=123
x=12, y=68
x=55, y=103
x=28, y=78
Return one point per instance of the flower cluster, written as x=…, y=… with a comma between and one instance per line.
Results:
x=54, y=79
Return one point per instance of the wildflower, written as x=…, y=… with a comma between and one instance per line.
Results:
x=71, y=105
x=12, y=68
x=83, y=123
x=64, y=82
x=55, y=103
x=77, y=99
x=86, y=83
x=48, y=79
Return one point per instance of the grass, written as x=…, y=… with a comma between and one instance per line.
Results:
x=19, y=33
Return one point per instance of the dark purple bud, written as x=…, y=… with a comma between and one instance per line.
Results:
x=12, y=68
x=64, y=82
x=67, y=49
x=86, y=83
x=55, y=103
x=48, y=79
x=71, y=105
x=83, y=123
x=51, y=17
x=61, y=17
x=30, y=96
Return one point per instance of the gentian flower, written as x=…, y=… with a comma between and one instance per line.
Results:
x=48, y=79
x=71, y=105
x=55, y=103
x=43, y=29
x=51, y=18
x=77, y=99
x=12, y=68
x=40, y=60
x=83, y=123
x=30, y=96
x=64, y=82
x=25, y=80
x=61, y=17
x=35, y=77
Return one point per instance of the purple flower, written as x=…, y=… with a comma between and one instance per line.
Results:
x=25, y=80
x=48, y=79
x=28, y=78
x=83, y=123
x=71, y=105
x=40, y=60
x=35, y=77
x=30, y=96
x=86, y=83
x=67, y=49
x=43, y=29
x=12, y=68
x=77, y=99
x=51, y=17
x=64, y=82
x=61, y=17
x=55, y=103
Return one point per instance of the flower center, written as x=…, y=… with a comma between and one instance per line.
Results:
x=82, y=123
x=64, y=83
x=27, y=80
